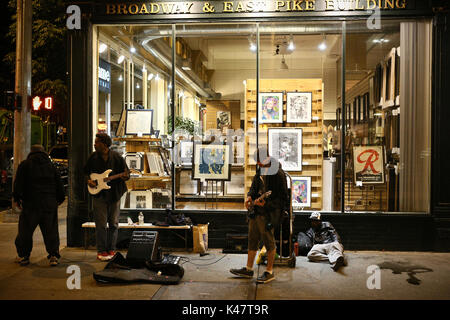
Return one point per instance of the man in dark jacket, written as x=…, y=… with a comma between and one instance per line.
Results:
x=269, y=177
x=38, y=190
x=326, y=242
x=107, y=202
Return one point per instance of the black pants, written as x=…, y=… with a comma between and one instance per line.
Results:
x=47, y=220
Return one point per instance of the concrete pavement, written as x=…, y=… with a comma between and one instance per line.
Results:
x=391, y=275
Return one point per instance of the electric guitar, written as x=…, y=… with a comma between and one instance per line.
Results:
x=102, y=179
x=251, y=210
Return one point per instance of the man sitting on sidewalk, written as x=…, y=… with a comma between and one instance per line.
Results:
x=326, y=242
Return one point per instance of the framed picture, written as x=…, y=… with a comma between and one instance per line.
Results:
x=165, y=156
x=186, y=152
x=141, y=199
x=120, y=131
x=139, y=122
x=301, y=192
x=211, y=162
x=299, y=107
x=285, y=144
x=187, y=185
x=270, y=107
x=125, y=201
x=134, y=160
x=368, y=164
x=236, y=186
x=223, y=119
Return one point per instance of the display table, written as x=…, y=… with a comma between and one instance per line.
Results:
x=147, y=226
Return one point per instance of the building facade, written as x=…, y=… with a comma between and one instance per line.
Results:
x=349, y=96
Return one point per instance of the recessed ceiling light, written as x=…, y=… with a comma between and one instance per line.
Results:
x=132, y=49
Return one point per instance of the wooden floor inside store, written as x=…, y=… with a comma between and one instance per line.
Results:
x=219, y=205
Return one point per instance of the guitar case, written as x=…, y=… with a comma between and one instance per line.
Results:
x=119, y=270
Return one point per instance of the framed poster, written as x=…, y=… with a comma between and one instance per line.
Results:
x=270, y=107
x=299, y=107
x=236, y=186
x=139, y=122
x=301, y=192
x=368, y=164
x=211, y=162
x=141, y=199
x=134, y=160
x=186, y=152
x=223, y=119
x=285, y=144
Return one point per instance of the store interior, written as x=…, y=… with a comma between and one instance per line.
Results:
x=224, y=72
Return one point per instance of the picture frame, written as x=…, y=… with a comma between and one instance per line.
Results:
x=134, y=160
x=139, y=122
x=368, y=164
x=155, y=163
x=236, y=186
x=223, y=119
x=165, y=156
x=301, y=192
x=285, y=144
x=270, y=107
x=125, y=201
x=120, y=131
x=338, y=118
x=140, y=199
x=211, y=161
x=298, y=107
x=186, y=152
x=187, y=185
x=389, y=79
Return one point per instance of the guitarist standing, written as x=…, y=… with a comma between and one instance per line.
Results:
x=267, y=208
x=107, y=202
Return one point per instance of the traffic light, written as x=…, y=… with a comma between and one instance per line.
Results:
x=37, y=102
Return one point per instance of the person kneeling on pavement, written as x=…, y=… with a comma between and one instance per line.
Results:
x=326, y=242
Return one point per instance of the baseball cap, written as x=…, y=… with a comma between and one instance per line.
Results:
x=315, y=216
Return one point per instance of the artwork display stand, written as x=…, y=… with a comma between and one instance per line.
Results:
x=214, y=202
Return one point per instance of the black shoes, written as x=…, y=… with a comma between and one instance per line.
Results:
x=265, y=277
x=338, y=264
x=23, y=261
x=243, y=272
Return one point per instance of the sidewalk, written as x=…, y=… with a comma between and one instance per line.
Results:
x=403, y=275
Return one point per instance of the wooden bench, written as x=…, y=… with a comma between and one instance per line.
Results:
x=146, y=226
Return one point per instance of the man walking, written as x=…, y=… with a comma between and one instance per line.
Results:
x=107, y=202
x=267, y=212
x=326, y=242
x=38, y=191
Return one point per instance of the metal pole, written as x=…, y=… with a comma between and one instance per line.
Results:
x=22, y=116
x=172, y=107
x=344, y=111
x=257, y=87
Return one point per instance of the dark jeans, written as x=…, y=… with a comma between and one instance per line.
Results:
x=47, y=220
x=104, y=212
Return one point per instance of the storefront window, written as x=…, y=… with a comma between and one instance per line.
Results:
x=236, y=87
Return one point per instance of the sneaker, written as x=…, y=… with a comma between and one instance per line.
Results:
x=102, y=256
x=243, y=272
x=23, y=261
x=339, y=263
x=265, y=277
x=53, y=261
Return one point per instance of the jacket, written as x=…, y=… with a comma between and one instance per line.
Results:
x=96, y=164
x=38, y=184
x=326, y=234
x=278, y=201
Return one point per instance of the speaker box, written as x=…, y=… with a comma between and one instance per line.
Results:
x=236, y=243
x=144, y=246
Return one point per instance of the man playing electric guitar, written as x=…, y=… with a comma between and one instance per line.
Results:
x=108, y=188
x=268, y=196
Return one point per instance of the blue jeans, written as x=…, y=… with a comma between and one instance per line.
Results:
x=106, y=213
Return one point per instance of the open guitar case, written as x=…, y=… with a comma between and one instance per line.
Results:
x=121, y=270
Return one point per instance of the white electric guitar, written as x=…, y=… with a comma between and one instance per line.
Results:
x=102, y=180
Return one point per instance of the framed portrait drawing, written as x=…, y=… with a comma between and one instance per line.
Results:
x=139, y=122
x=285, y=144
x=368, y=164
x=223, y=119
x=186, y=152
x=270, y=107
x=299, y=107
x=301, y=192
x=134, y=160
x=141, y=199
x=211, y=162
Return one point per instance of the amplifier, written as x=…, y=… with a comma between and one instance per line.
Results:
x=144, y=246
x=236, y=243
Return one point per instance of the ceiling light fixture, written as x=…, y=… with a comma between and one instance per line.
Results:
x=157, y=77
x=102, y=47
x=291, y=46
x=150, y=76
x=120, y=78
x=283, y=66
x=323, y=45
x=121, y=58
x=132, y=49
